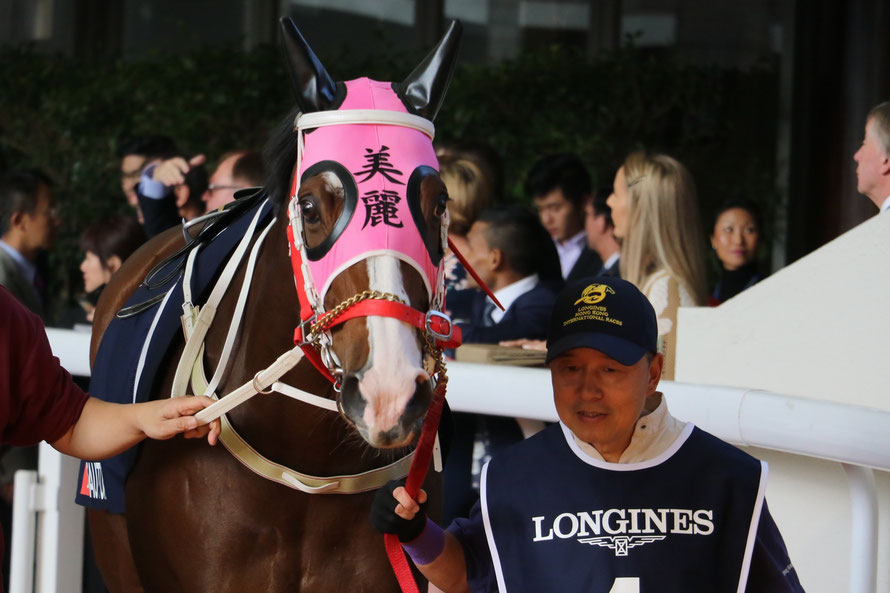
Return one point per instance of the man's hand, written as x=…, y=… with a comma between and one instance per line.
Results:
x=525, y=343
x=393, y=511
x=172, y=171
x=166, y=418
x=436, y=553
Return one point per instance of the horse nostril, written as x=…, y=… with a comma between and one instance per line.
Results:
x=420, y=401
x=351, y=396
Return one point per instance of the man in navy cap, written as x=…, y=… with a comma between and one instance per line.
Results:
x=618, y=496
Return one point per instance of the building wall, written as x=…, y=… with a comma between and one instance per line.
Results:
x=816, y=329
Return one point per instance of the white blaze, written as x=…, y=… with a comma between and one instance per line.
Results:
x=390, y=377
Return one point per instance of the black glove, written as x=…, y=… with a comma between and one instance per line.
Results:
x=385, y=520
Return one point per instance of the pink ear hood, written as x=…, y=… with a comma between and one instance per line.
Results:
x=380, y=167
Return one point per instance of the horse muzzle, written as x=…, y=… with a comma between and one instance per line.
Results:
x=386, y=417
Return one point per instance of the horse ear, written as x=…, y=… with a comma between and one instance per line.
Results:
x=424, y=89
x=312, y=84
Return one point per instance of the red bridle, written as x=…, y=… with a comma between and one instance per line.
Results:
x=435, y=324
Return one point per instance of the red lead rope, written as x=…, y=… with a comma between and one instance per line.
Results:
x=419, y=466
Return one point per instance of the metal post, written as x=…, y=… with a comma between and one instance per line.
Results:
x=864, y=528
x=24, y=525
x=61, y=528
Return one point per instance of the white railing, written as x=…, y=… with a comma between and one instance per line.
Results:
x=857, y=437
x=47, y=527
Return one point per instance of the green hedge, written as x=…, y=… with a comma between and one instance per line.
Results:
x=65, y=116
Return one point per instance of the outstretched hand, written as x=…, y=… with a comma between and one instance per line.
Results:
x=525, y=343
x=172, y=171
x=165, y=419
x=394, y=511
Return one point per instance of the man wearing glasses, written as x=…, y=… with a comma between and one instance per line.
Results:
x=236, y=170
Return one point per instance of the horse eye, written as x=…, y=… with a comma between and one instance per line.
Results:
x=309, y=211
x=441, y=205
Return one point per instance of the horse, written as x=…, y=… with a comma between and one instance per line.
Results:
x=360, y=221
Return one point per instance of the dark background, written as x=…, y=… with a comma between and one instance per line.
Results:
x=759, y=98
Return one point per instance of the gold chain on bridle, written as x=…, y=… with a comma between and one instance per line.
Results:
x=439, y=374
x=434, y=351
x=325, y=319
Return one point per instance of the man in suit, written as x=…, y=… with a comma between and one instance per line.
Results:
x=27, y=227
x=873, y=157
x=170, y=191
x=505, y=249
x=600, y=231
x=560, y=186
x=135, y=153
x=178, y=188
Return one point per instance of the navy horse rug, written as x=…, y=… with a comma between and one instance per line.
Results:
x=139, y=338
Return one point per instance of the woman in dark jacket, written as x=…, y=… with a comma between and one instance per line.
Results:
x=734, y=238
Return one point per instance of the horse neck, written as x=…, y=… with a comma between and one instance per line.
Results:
x=289, y=432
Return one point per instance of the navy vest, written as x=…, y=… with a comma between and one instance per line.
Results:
x=683, y=522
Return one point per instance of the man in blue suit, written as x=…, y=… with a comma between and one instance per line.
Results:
x=509, y=249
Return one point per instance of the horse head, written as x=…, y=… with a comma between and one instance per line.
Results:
x=368, y=229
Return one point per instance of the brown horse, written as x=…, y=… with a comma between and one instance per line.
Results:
x=198, y=520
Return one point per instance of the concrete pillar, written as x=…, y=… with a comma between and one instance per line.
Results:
x=260, y=22
x=604, y=29
x=504, y=34
x=428, y=22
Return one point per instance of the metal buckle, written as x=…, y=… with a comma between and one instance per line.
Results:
x=429, y=328
x=305, y=327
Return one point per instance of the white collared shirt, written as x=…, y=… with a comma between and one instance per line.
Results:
x=653, y=434
x=508, y=295
x=569, y=251
x=886, y=205
x=611, y=261
x=27, y=268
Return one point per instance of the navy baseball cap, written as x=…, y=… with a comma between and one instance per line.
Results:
x=604, y=313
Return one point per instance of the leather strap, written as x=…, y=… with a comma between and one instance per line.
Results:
x=262, y=466
x=441, y=325
x=419, y=468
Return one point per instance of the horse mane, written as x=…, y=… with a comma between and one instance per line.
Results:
x=280, y=155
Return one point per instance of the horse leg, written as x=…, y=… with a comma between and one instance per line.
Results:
x=111, y=544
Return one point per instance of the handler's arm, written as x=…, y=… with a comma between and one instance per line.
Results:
x=105, y=429
x=437, y=554
x=449, y=571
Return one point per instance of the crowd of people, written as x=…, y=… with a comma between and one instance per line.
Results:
x=594, y=276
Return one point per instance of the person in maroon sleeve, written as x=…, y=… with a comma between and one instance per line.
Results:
x=40, y=402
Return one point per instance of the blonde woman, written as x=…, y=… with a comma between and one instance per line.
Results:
x=656, y=218
x=469, y=193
